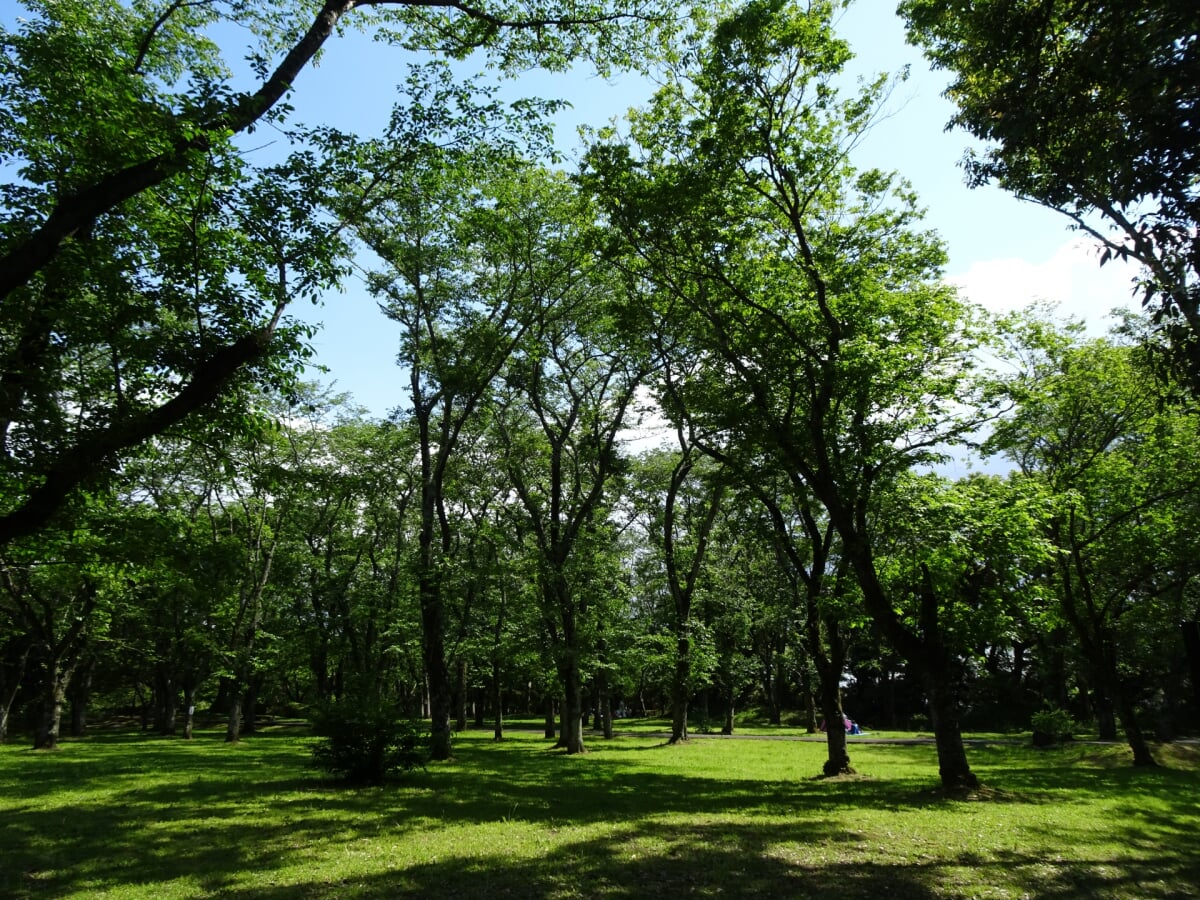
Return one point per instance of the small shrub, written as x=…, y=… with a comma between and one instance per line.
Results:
x=1051, y=726
x=363, y=742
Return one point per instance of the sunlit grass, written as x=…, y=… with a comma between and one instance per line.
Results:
x=125, y=816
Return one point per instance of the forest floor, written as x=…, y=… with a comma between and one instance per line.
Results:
x=122, y=814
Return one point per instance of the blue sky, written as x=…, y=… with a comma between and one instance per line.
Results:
x=1004, y=253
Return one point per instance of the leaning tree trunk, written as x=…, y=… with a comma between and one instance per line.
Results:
x=953, y=767
x=1133, y=731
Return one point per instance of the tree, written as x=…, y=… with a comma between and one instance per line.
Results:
x=59, y=592
x=475, y=244
x=1115, y=451
x=1088, y=107
x=566, y=399
x=832, y=346
x=679, y=522
x=144, y=267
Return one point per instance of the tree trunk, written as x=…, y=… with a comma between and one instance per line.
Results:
x=1133, y=731
x=460, y=694
x=54, y=691
x=727, y=728
x=606, y=712
x=679, y=690
x=770, y=685
x=1105, y=714
x=12, y=672
x=480, y=707
x=250, y=704
x=572, y=711
x=830, y=662
x=433, y=631
x=189, y=705
x=549, y=731
x=80, y=693
x=233, y=730
x=953, y=767
x=497, y=700
x=166, y=695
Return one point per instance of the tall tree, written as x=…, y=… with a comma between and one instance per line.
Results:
x=144, y=269
x=567, y=398
x=1088, y=107
x=474, y=242
x=807, y=285
x=1116, y=452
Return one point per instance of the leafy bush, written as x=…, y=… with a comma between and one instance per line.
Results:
x=1051, y=726
x=365, y=741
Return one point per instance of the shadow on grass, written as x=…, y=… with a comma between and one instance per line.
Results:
x=124, y=810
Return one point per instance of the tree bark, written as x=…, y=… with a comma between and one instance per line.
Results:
x=953, y=767
x=54, y=691
x=549, y=731
x=572, y=711
x=233, y=728
x=680, y=689
x=1133, y=731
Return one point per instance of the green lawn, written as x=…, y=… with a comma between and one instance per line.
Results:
x=127, y=816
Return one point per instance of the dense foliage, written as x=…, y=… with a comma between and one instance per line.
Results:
x=718, y=281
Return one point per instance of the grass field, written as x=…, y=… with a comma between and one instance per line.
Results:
x=122, y=815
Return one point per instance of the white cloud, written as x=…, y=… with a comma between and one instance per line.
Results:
x=1072, y=278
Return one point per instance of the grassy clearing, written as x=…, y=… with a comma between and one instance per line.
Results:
x=120, y=815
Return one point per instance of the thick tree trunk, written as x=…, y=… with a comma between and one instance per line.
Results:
x=250, y=704
x=572, y=711
x=953, y=767
x=54, y=692
x=837, y=757
x=829, y=668
x=680, y=690
x=1105, y=714
x=438, y=677
x=233, y=728
x=1133, y=731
